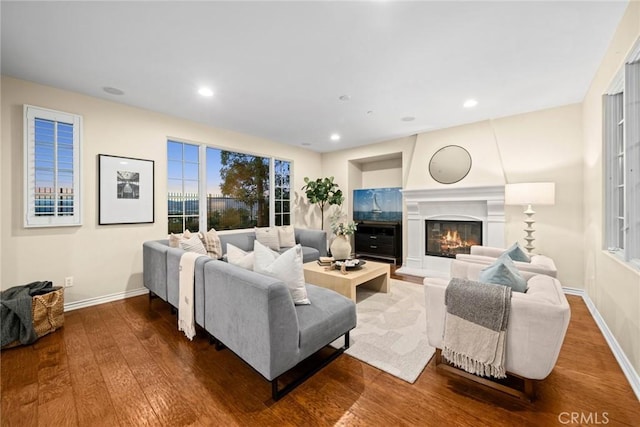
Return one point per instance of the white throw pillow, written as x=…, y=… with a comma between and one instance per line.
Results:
x=237, y=256
x=286, y=267
x=268, y=236
x=174, y=239
x=193, y=244
x=212, y=243
x=287, y=236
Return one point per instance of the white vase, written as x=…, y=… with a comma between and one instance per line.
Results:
x=341, y=247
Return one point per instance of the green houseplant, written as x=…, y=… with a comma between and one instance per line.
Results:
x=323, y=192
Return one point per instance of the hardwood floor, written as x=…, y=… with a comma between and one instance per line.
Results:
x=124, y=363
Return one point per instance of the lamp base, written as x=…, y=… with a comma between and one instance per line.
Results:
x=529, y=221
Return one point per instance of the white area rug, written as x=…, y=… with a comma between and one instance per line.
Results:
x=392, y=330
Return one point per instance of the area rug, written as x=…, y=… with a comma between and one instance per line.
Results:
x=392, y=330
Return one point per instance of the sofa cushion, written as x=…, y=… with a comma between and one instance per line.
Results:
x=330, y=315
x=237, y=256
x=286, y=267
x=516, y=253
x=503, y=272
x=269, y=237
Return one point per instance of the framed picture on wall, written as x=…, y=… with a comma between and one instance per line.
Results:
x=125, y=190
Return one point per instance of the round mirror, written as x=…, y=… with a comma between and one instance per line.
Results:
x=450, y=164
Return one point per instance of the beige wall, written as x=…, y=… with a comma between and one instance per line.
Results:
x=103, y=260
x=539, y=146
x=613, y=286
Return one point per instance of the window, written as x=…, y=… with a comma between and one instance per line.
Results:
x=52, y=168
x=621, y=134
x=183, y=176
x=282, y=193
x=239, y=190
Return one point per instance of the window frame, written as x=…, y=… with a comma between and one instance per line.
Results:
x=202, y=187
x=31, y=220
x=622, y=180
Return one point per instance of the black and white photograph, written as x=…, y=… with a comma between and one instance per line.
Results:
x=128, y=185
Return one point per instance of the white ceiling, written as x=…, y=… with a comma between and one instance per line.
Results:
x=278, y=68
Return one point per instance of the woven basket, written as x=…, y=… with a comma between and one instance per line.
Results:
x=47, y=313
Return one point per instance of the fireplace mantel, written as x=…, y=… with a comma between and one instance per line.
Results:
x=484, y=204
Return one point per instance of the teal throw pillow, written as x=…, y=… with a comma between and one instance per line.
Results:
x=516, y=253
x=504, y=272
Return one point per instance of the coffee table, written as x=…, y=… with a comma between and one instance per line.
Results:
x=372, y=275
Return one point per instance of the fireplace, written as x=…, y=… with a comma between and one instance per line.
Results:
x=449, y=238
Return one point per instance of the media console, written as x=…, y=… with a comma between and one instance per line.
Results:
x=381, y=240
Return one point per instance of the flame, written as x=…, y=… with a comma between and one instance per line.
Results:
x=452, y=240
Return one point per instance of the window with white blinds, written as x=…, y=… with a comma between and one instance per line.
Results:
x=51, y=168
x=621, y=135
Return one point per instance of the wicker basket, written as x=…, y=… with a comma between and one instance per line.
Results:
x=47, y=312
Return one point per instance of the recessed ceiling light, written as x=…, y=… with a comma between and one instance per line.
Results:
x=370, y=112
x=112, y=90
x=335, y=137
x=344, y=97
x=205, y=91
x=470, y=103
x=408, y=119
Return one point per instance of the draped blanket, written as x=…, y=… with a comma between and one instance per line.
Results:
x=16, y=322
x=476, y=326
x=186, y=317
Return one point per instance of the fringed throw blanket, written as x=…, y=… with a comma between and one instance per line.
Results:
x=186, y=317
x=476, y=326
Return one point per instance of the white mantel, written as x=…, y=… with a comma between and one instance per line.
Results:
x=484, y=204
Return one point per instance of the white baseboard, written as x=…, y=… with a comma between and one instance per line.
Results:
x=618, y=353
x=104, y=299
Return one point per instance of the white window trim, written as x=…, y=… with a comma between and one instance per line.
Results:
x=30, y=219
x=630, y=255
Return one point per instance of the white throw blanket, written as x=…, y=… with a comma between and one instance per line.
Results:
x=476, y=326
x=186, y=316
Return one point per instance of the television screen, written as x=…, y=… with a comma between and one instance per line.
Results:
x=377, y=204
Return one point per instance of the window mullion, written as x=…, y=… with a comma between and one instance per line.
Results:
x=202, y=187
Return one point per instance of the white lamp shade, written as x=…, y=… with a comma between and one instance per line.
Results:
x=531, y=193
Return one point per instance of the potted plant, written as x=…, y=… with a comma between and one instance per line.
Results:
x=341, y=244
x=323, y=192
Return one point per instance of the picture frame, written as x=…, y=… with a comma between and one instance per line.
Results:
x=126, y=192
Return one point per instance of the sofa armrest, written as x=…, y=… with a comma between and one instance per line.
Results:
x=253, y=315
x=154, y=267
x=316, y=239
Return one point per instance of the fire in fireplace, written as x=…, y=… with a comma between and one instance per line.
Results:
x=448, y=238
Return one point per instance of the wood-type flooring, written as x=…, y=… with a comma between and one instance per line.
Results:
x=125, y=364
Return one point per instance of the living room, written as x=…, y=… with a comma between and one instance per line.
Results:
x=562, y=144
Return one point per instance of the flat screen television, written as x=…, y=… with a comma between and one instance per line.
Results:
x=377, y=204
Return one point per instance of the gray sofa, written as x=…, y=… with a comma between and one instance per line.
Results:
x=252, y=314
x=161, y=263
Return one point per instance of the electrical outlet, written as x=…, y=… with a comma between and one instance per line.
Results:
x=68, y=282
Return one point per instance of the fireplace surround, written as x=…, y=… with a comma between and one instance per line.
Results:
x=480, y=204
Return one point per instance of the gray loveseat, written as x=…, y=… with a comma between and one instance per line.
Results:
x=252, y=314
